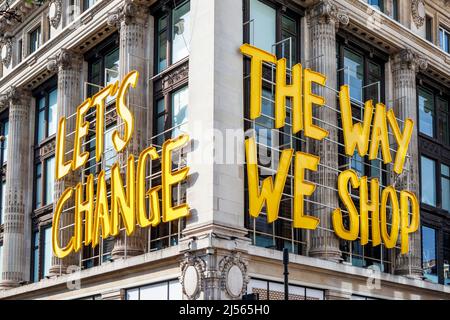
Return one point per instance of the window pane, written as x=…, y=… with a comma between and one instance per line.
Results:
x=429, y=254
x=35, y=257
x=181, y=35
x=162, y=43
x=444, y=130
x=156, y=291
x=35, y=39
x=52, y=105
x=179, y=111
x=426, y=112
x=133, y=294
x=2, y=212
x=446, y=258
x=110, y=153
x=160, y=122
x=175, y=291
x=354, y=73
x=38, y=186
x=428, y=181
x=262, y=32
x=5, y=141
x=41, y=120
x=377, y=4
x=47, y=252
x=49, y=180
x=112, y=66
x=445, y=181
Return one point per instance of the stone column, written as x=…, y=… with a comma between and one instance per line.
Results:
x=405, y=65
x=324, y=19
x=14, y=266
x=68, y=65
x=131, y=20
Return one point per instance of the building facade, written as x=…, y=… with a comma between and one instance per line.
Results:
x=194, y=80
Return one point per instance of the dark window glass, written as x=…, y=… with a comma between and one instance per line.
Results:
x=35, y=257
x=428, y=181
x=46, y=117
x=88, y=3
x=162, y=43
x=19, y=51
x=429, y=28
x=443, y=120
x=395, y=8
x=38, y=186
x=2, y=209
x=445, y=187
x=426, y=112
x=49, y=179
x=34, y=39
x=429, y=257
x=4, y=128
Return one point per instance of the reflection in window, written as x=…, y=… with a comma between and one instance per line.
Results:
x=429, y=262
x=271, y=290
x=445, y=187
x=4, y=128
x=38, y=186
x=49, y=178
x=444, y=39
x=88, y=3
x=34, y=39
x=426, y=112
x=47, y=251
x=446, y=267
x=180, y=101
x=377, y=4
x=264, y=25
x=46, y=119
x=428, y=181
x=167, y=290
x=354, y=73
x=181, y=34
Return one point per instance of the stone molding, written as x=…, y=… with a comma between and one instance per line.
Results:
x=326, y=11
x=409, y=59
x=64, y=59
x=128, y=13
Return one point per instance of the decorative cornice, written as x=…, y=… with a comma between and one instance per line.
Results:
x=64, y=59
x=409, y=59
x=55, y=5
x=415, y=12
x=326, y=12
x=128, y=13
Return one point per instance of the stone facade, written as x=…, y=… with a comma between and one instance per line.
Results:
x=213, y=258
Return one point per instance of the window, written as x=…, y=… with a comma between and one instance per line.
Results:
x=428, y=181
x=443, y=120
x=19, y=51
x=34, y=40
x=4, y=129
x=426, y=112
x=444, y=39
x=445, y=187
x=46, y=114
x=35, y=257
x=377, y=4
x=395, y=10
x=275, y=30
x=173, y=35
x=44, y=182
x=47, y=251
x=271, y=290
x=88, y=3
x=167, y=290
x=429, y=259
x=429, y=28
x=446, y=267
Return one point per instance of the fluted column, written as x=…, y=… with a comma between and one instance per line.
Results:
x=324, y=19
x=68, y=65
x=14, y=266
x=405, y=65
x=131, y=20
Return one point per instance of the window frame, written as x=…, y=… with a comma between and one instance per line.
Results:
x=446, y=34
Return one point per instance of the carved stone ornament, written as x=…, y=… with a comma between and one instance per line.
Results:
x=54, y=12
x=6, y=51
x=418, y=12
x=234, y=276
x=326, y=11
x=14, y=95
x=407, y=58
x=65, y=59
x=192, y=276
x=128, y=13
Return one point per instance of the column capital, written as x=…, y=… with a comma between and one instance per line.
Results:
x=326, y=11
x=409, y=59
x=129, y=13
x=15, y=95
x=64, y=59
